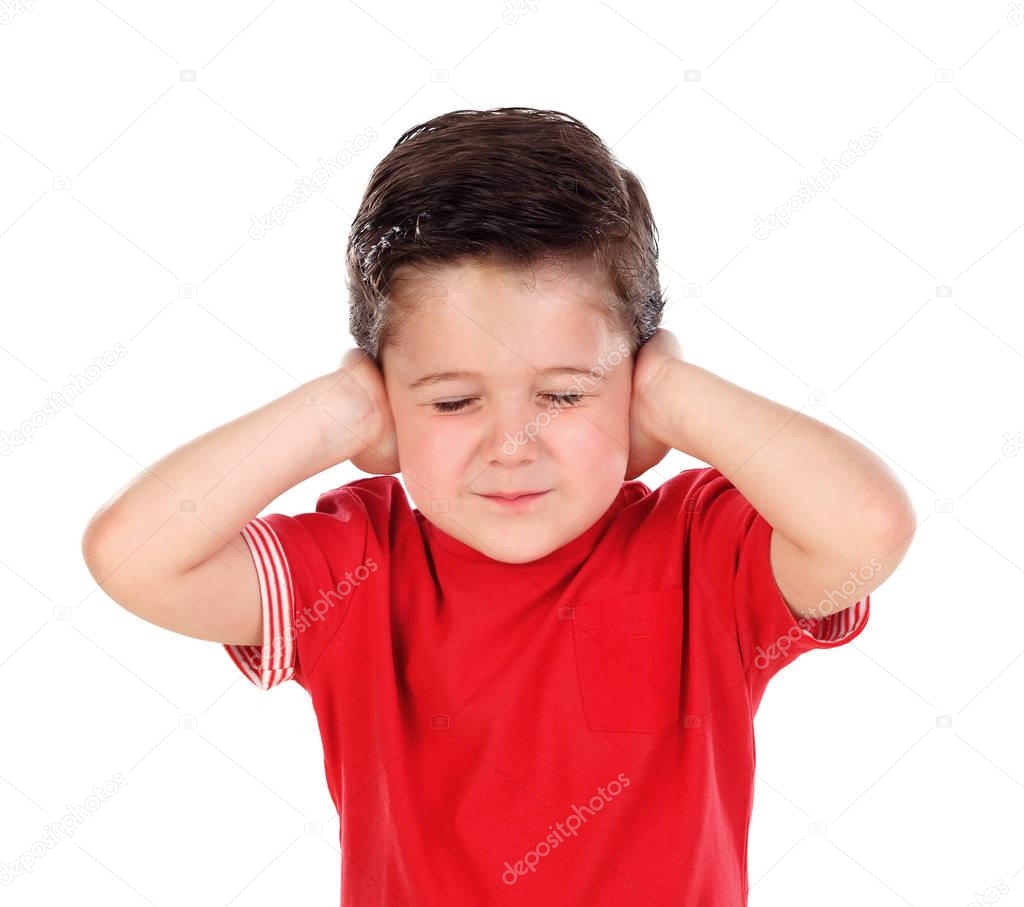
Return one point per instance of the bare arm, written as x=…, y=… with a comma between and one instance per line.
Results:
x=836, y=508
x=167, y=547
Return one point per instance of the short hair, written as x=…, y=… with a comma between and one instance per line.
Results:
x=514, y=185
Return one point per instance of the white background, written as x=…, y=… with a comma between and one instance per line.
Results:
x=164, y=177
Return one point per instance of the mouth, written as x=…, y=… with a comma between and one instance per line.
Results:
x=517, y=499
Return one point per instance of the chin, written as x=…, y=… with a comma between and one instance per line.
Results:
x=525, y=558
x=511, y=553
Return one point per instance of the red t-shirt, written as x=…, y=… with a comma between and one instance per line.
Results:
x=574, y=730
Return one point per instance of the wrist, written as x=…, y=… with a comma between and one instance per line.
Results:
x=665, y=394
x=343, y=425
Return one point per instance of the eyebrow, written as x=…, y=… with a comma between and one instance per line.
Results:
x=439, y=377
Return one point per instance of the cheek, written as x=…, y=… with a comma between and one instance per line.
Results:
x=429, y=444
x=599, y=435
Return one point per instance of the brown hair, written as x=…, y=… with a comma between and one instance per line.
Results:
x=513, y=184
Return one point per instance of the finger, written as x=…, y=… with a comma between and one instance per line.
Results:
x=672, y=344
x=349, y=358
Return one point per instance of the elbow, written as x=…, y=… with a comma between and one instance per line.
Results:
x=100, y=549
x=895, y=530
x=901, y=519
x=98, y=541
x=94, y=545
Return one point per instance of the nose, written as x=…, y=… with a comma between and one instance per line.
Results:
x=514, y=432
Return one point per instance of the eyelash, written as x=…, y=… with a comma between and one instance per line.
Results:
x=454, y=406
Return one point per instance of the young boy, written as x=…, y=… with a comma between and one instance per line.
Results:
x=538, y=685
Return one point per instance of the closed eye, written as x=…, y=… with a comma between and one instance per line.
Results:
x=454, y=406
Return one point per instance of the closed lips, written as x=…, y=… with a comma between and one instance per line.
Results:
x=513, y=495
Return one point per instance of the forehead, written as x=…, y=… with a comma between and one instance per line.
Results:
x=494, y=319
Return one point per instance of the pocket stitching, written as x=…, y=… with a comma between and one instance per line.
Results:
x=624, y=724
x=625, y=623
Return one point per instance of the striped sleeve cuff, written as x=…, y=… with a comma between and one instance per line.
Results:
x=273, y=662
x=840, y=627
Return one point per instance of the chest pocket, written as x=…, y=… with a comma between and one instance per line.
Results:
x=629, y=652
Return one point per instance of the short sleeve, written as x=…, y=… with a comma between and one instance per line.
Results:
x=303, y=601
x=731, y=547
x=274, y=661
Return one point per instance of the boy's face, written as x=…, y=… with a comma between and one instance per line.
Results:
x=508, y=436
